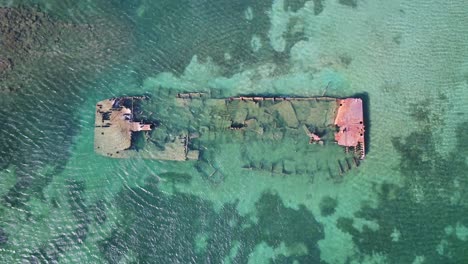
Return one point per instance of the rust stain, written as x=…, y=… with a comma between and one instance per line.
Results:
x=350, y=121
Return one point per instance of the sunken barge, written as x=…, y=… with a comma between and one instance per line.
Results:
x=185, y=126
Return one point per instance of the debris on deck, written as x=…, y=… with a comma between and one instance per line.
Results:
x=113, y=127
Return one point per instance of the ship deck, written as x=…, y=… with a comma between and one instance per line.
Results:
x=193, y=126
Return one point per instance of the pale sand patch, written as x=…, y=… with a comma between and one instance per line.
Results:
x=279, y=24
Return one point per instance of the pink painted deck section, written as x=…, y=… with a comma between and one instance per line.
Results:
x=137, y=126
x=350, y=121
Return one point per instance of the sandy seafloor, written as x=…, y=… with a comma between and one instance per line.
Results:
x=406, y=203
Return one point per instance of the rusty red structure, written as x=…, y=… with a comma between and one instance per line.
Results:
x=350, y=123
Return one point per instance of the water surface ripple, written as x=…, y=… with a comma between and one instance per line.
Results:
x=62, y=203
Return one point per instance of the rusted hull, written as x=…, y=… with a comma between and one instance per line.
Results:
x=189, y=121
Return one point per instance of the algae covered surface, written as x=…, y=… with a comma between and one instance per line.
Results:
x=248, y=199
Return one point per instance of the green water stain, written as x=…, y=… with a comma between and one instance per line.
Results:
x=158, y=227
x=51, y=91
x=295, y=227
x=318, y=6
x=295, y=5
x=328, y=206
x=30, y=183
x=345, y=60
x=421, y=111
x=207, y=29
x=84, y=215
x=414, y=216
x=294, y=34
x=199, y=232
x=350, y=3
x=418, y=228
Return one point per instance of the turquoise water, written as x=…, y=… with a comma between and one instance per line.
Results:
x=406, y=203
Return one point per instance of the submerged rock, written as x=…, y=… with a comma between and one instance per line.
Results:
x=328, y=206
x=41, y=45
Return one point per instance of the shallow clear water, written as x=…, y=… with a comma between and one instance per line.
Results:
x=406, y=203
